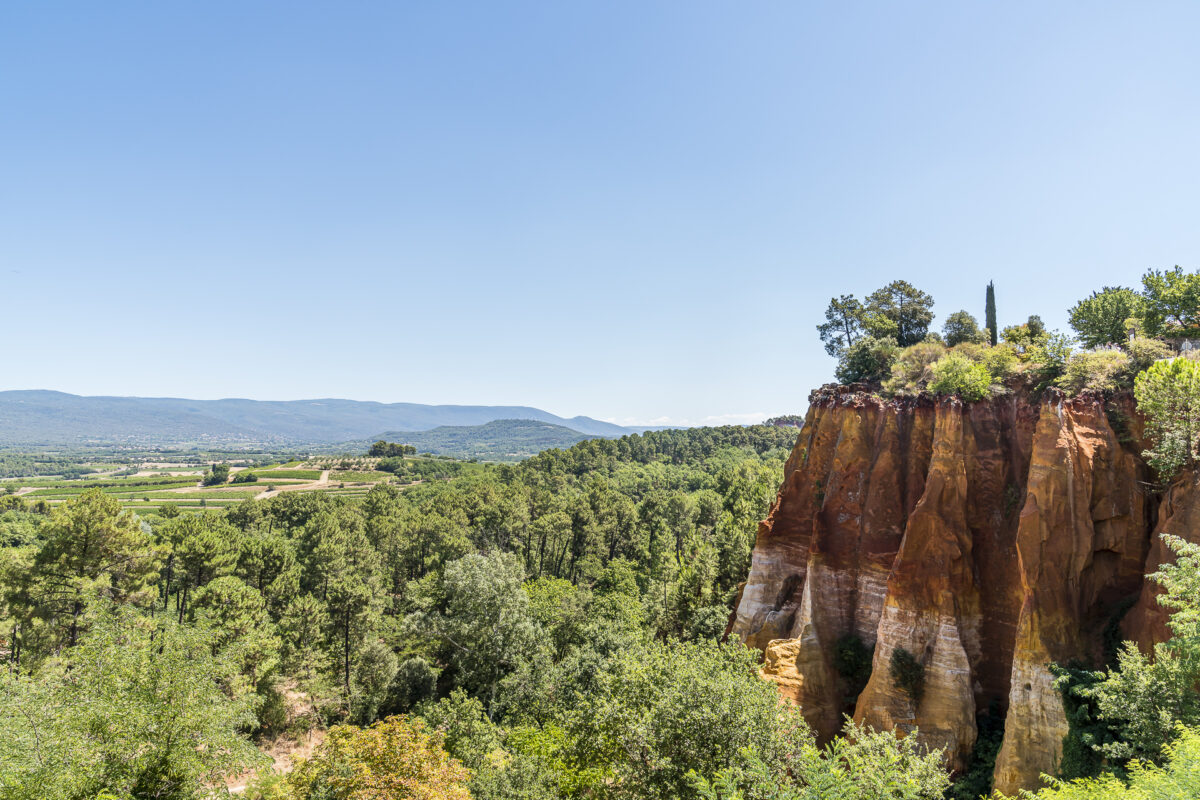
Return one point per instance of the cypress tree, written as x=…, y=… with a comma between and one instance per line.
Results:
x=989, y=313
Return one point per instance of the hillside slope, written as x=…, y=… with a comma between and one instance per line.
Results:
x=55, y=418
x=499, y=440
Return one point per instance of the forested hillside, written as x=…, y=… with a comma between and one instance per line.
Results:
x=494, y=605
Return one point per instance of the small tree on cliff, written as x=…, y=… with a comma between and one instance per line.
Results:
x=989, y=314
x=900, y=309
x=843, y=324
x=1142, y=699
x=1102, y=318
x=962, y=327
x=1168, y=393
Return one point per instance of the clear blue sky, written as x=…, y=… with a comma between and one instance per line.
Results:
x=636, y=211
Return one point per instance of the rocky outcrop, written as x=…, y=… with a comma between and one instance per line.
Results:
x=985, y=540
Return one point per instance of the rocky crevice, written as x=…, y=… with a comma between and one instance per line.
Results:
x=986, y=540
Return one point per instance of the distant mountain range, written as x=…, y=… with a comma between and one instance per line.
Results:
x=46, y=418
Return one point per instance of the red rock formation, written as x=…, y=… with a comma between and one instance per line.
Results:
x=986, y=540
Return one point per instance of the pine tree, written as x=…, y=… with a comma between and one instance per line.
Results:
x=990, y=313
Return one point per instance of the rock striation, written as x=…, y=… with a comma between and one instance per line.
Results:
x=984, y=540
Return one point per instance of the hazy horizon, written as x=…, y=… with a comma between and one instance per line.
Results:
x=616, y=210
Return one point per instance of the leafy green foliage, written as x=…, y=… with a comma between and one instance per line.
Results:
x=382, y=449
x=136, y=708
x=1168, y=394
x=843, y=324
x=906, y=309
x=661, y=711
x=1143, y=352
x=975, y=781
x=961, y=327
x=1177, y=779
x=1103, y=318
x=868, y=360
x=852, y=660
x=1144, y=699
x=908, y=674
x=1097, y=370
x=1171, y=302
x=396, y=758
x=864, y=763
x=955, y=374
x=217, y=475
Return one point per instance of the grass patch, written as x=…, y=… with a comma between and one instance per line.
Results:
x=273, y=474
x=358, y=476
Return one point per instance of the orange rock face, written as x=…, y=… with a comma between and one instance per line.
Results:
x=986, y=540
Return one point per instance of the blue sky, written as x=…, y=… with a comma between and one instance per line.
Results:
x=635, y=211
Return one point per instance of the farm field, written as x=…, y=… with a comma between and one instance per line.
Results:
x=147, y=487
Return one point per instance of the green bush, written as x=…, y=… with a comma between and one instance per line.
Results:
x=852, y=660
x=1000, y=360
x=1099, y=370
x=957, y=374
x=911, y=369
x=908, y=674
x=868, y=360
x=1144, y=351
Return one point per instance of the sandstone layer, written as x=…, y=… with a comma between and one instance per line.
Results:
x=986, y=540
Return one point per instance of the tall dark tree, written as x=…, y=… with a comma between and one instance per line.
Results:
x=843, y=324
x=900, y=310
x=989, y=314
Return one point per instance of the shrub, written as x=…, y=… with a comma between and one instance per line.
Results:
x=1000, y=360
x=1049, y=357
x=852, y=660
x=1144, y=351
x=911, y=369
x=957, y=374
x=867, y=361
x=1099, y=370
x=393, y=758
x=908, y=674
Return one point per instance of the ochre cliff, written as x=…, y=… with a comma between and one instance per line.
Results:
x=986, y=540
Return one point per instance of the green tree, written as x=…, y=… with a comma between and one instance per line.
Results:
x=242, y=629
x=1103, y=317
x=396, y=759
x=479, y=613
x=1168, y=394
x=92, y=548
x=1144, y=699
x=662, y=710
x=869, y=360
x=218, y=474
x=962, y=327
x=1177, y=779
x=864, y=764
x=1171, y=304
x=136, y=708
x=843, y=324
x=989, y=315
x=905, y=307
